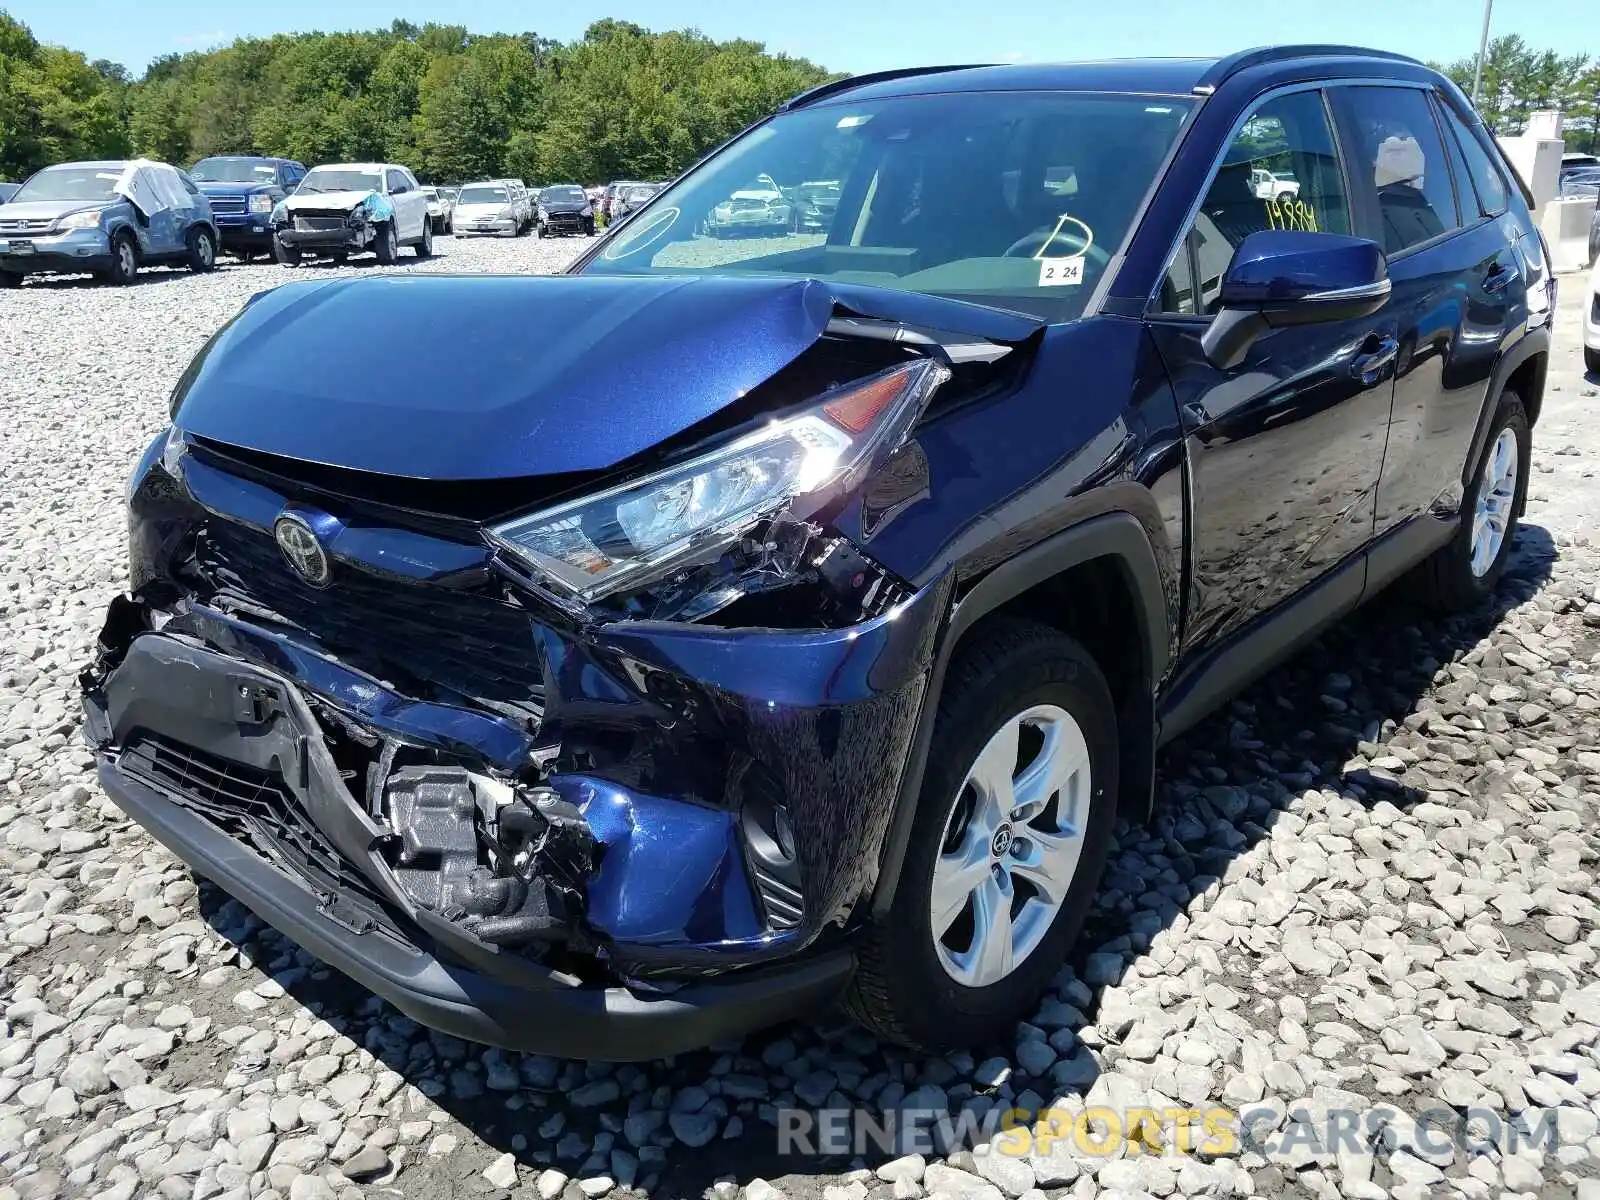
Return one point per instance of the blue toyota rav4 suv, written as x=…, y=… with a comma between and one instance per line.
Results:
x=794, y=629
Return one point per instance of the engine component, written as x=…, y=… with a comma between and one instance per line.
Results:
x=472, y=850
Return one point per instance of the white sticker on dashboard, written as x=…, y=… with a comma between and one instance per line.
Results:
x=1061, y=272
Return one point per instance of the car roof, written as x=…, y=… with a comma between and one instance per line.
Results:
x=1149, y=76
x=360, y=166
x=272, y=158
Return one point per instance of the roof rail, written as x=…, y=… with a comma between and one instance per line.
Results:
x=1230, y=65
x=811, y=95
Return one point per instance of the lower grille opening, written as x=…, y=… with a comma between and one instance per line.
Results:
x=257, y=809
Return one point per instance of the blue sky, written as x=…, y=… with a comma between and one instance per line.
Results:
x=853, y=35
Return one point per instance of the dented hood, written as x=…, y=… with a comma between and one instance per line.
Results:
x=485, y=377
x=326, y=201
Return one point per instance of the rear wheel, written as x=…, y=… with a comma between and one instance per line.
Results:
x=385, y=246
x=1009, y=839
x=200, y=250
x=124, y=260
x=1465, y=570
x=425, y=246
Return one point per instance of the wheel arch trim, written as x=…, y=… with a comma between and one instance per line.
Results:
x=1535, y=342
x=1116, y=535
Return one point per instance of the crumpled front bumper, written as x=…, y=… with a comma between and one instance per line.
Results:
x=322, y=241
x=673, y=744
x=420, y=967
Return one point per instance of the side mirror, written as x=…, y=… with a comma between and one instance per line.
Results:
x=1284, y=277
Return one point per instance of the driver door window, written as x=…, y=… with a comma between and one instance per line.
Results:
x=1280, y=172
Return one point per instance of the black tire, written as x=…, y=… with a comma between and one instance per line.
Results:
x=1591, y=360
x=588, y=227
x=244, y=255
x=900, y=990
x=200, y=250
x=1445, y=581
x=424, y=248
x=287, y=256
x=10, y=279
x=124, y=260
x=385, y=246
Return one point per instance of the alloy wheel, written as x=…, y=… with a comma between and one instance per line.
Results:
x=1497, y=495
x=1011, y=846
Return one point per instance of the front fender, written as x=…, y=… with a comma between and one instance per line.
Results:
x=1118, y=536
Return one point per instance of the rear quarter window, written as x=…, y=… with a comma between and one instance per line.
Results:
x=1488, y=186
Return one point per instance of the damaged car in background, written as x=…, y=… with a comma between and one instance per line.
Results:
x=351, y=208
x=796, y=627
x=108, y=218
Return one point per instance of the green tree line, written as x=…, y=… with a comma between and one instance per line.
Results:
x=621, y=102
x=1519, y=80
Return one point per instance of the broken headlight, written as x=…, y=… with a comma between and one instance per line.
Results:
x=629, y=535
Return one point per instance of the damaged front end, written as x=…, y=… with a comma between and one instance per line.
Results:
x=630, y=754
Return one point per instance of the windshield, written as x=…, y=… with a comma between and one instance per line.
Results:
x=339, y=179
x=565, y=193
x=482, y=195
x=1014, y=199
x=70, y=183
x=234, y=170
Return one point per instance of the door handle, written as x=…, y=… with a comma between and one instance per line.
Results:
x=1377, y=355
x=1497, y=277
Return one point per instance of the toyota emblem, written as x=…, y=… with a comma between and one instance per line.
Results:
x=302, y=551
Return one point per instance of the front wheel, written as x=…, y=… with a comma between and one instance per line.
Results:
x=287, y=256
x=1465, y=569
x=200, y=250
x=10, y=279
x=1591, y=359
x=386, y=247
x=1010, y=835
x=588, y=227
x=124, y=260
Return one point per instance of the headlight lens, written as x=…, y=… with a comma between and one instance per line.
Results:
x=629, y=535
x=80, y=220
x=261, y=202
x=280, y=213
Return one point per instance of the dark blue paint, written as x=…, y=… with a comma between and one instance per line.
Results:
x=447, y=377
x=1278, y=266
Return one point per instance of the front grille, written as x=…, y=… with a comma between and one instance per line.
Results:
x=257, y=809
x=319, y=224
x=227, y=204
x=25, y=225
x=563, y=218
x=469, y=644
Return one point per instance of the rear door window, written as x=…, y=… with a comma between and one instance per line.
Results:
x=1400, y=154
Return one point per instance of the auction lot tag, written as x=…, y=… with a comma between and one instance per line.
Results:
x=1061, y=272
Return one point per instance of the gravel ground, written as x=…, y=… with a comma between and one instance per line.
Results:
x=1369, y=889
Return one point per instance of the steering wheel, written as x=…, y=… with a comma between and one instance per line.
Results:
x=1062, y=237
